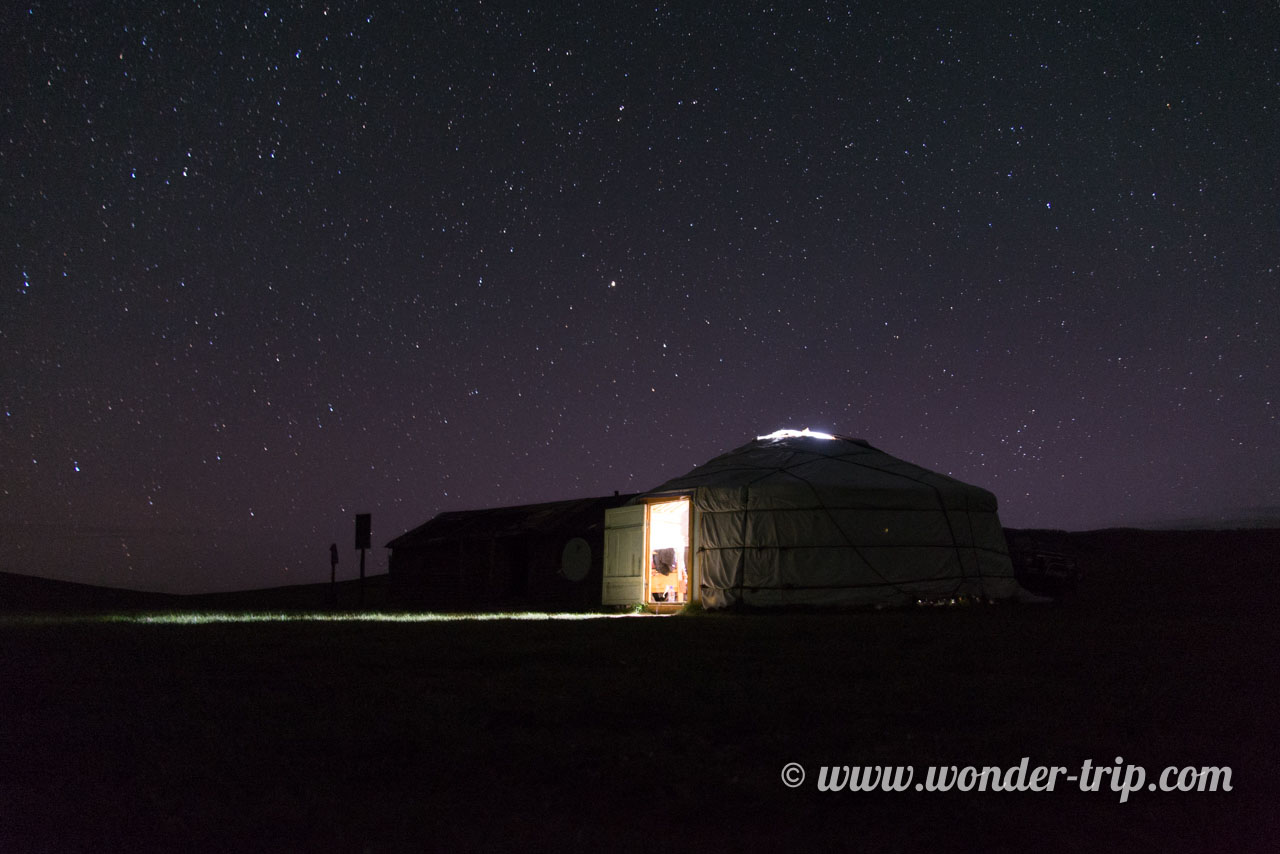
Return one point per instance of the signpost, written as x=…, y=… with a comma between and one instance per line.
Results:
x=364, y=536
x=333, y=575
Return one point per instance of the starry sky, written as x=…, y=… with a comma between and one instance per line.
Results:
x=268, y=266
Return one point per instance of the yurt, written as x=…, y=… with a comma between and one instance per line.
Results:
x=800, y=518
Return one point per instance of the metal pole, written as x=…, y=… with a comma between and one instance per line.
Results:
x=333, y=575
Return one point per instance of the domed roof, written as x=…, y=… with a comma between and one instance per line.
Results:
x=809, y=462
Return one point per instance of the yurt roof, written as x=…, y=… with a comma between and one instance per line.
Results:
x=822, y=461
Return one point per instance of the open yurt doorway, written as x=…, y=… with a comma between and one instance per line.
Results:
x=668, y=576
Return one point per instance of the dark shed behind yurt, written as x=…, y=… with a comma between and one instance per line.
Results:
x=530, y=556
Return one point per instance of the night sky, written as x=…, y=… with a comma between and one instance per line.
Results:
x=267, y=267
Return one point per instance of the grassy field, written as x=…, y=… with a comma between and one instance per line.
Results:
x=657, y=733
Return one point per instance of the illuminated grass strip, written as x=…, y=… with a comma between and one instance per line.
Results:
x=359, y=617
x=195, y=618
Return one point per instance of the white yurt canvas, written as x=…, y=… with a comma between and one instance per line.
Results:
x=804, y=518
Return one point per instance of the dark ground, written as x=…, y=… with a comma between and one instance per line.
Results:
x=658, y=733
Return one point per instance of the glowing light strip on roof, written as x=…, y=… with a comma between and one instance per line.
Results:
x=806, y=433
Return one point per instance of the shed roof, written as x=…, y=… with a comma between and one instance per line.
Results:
x=498, y=522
